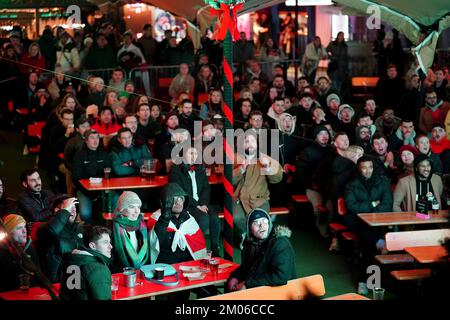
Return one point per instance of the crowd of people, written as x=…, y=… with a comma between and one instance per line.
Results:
x=385, y=155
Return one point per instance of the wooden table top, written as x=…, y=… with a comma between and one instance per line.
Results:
x=401, y=218
x=136, y=183
x=150, y=289
x=147, y=289
x=348, y=296
x=427, y=254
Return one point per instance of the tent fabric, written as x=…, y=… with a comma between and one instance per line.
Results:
x=31, y=4
x=420, y=21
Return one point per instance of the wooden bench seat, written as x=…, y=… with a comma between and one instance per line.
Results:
x=300, y=198
x=398, y=241
x=275, y=211
x=386, y=259
x=349, y=236
x=413, y=274
x=337, y=227
x=297, y=289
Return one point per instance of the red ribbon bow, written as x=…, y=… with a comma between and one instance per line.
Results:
x=227, y=21
x=192, y=168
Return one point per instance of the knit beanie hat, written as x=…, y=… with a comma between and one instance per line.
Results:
x=256, y=214
x=342, y=107
x=333, y=96
x=170, y=114
x=409, y=148
x=126, y=199
x=422, y=157
x=11, y=221
x=320, y=128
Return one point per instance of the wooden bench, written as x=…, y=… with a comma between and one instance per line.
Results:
x=364, y=87
x=300, y=198
x=387, y=259
x=412, y=274
x=346, y=235
x=275, y=211
x=348, y=296
x=35, y=130
x=297, y=289
x=342, y=210
x=398, y=241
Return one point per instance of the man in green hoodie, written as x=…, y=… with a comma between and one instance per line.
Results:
x=87, y=276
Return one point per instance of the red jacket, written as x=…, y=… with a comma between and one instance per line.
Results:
x=440, y=146
x=106, y=129
x=35, y=64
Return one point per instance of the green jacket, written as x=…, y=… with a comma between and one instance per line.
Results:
x=95, y=283
x=133, y=155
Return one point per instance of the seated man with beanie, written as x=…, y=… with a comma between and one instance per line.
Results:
x=11, y=265
x=268, y=258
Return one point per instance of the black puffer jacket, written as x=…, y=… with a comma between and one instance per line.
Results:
x=270, y=262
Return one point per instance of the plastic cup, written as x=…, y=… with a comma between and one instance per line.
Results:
x=115, y=284
x=214, y=267
x=159, y=273
x=24, y=280
x=378, y=294
x=107, y=172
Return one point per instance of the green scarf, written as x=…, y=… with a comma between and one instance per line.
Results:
x=123, y=245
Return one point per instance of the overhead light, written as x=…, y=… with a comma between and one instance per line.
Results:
x=2, y=235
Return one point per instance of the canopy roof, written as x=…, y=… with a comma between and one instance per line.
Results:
x=189, y=8
x=421, y=21
x=32, y=4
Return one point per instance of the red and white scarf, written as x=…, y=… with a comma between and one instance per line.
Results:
x=187, y=236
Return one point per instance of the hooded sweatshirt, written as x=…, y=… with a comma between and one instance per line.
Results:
x=172, y=239
x=268, y=262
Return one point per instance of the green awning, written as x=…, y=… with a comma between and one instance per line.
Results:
x=37, y=4
x=421, y=21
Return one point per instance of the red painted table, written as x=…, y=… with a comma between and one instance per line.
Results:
x=146, y=290
x=427, y=254
x=135, y=183
x=401, y=218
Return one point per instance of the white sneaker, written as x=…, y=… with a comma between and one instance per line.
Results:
x=334, y=246
x=362, y=289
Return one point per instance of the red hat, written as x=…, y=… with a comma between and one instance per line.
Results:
x=409, y=148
